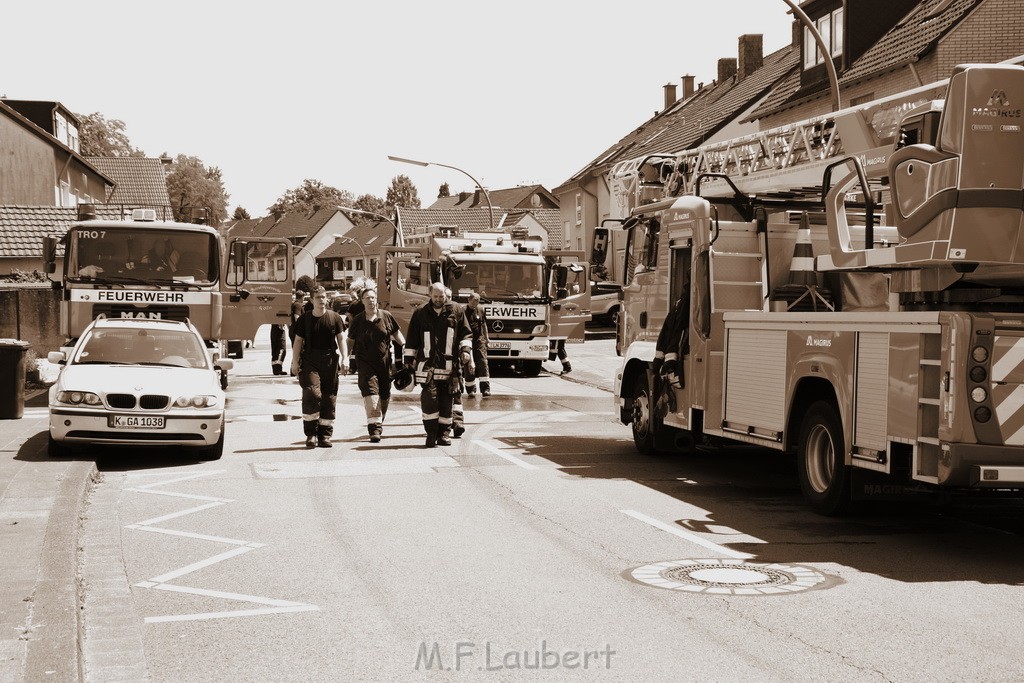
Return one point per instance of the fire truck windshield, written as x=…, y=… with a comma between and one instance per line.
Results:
x=141, y=254
x=493, y=280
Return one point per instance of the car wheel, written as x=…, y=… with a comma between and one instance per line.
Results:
x=824, y=476
x=642, y=415
x=216, y=450
x=56, y=449
x=613, y=317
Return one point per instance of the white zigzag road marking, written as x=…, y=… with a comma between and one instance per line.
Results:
x=274, y=605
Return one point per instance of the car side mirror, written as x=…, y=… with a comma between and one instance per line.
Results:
x=56, y=358
x=224, y=363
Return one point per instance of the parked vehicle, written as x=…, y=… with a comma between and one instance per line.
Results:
x=604, y=303
x=138, y=383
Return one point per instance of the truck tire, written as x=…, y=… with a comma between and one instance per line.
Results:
x=642, y=415
x=531, y=368
x=824, y=476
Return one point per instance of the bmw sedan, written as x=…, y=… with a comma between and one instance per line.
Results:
x=138, y=383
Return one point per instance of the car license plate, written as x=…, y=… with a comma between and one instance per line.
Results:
x=499, y=345
x=135, y=422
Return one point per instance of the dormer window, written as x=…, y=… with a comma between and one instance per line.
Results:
x=830, y=27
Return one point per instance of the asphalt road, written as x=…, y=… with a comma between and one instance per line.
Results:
x=533, y=542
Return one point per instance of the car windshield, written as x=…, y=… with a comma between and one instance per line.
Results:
x=170, y=348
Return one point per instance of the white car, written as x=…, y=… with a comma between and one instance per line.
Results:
x=138, y=383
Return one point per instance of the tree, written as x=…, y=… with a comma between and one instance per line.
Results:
x=444, y=191
x=370, y=202
x=403, y=193
x=98, y=137
x=311, y=196
x=191, y=185
x=241, y=214
x=305, y=283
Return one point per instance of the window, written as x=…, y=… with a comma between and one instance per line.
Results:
x=279, y=264
x=359, y=264
x=830, y=27
x=579, y=208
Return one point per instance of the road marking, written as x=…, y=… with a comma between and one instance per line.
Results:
x=276, y=606
x=511, y=458
x=352, y=468
x=681, y=533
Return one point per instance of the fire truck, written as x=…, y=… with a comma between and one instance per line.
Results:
x=144, y=268
x=530, y=295
x=849, y=288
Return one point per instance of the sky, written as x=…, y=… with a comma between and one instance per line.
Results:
x=272, y=93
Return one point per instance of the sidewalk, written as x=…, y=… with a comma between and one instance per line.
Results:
x=41, y=502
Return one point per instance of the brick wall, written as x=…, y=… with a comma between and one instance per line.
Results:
x=991, y=33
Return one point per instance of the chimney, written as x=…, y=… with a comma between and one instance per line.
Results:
x=687, y=86
x=751, y=54
x=463, y=196
x=476, y=198
x=670, y=94
x=726, y=68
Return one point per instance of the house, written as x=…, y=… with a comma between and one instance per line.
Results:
x=522, y=197
x=879, y=47
x=354, y=254
x=703, y=114
x=309, y=233
x=883, y=47
x=40, y=161
x=22, y=229
x=140, y=183
x=418, y=224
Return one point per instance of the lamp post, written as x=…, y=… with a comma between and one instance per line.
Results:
x=487, y=196
x=398, y=234
x=830, y=68
x=352, y=240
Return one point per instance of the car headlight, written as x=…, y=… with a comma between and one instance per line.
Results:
x=201, y=401
x=77, y=398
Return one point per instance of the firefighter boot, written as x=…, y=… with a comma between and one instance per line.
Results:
x=566, y=367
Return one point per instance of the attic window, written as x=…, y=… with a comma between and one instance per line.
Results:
x=937, y=10
x=830, y=27
x=372, y=240
x=653, y=137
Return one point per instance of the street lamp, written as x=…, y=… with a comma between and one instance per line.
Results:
x=398, y=234
x=352, y=240
x=490, y=209
x=830, y=68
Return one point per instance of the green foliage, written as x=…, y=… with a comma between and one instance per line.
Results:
x=190, y=184
x=403, y=193
x=444, y=191
x=98, y=137
x=369, y=202
x=311, y=196
x=240, y=214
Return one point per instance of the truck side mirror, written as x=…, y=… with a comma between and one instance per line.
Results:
x=50, y=253
x=599, y=251
x=238, y=255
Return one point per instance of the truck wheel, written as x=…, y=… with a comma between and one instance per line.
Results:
x=531, y=368
x=824, y=476
x=642, y=415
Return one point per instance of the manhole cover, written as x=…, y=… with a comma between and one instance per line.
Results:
x=728, y=577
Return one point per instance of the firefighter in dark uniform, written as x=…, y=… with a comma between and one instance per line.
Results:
x=672, y=345
x=372, y=333
x=278, y=348
x=319, y=334
x=437, y=344
x=477, y=320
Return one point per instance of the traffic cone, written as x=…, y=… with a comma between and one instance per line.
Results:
x=804, y=291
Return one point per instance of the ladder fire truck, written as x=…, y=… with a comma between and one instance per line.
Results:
x=144, y=268
x=850, y=288
x=530, y=295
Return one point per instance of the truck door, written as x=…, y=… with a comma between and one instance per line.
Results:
x=406, y=283
x=679, y=315
x=569, y=289
x=257, y=286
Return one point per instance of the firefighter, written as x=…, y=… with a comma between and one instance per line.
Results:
x=319, y=334
x=477, y=320
x=355, y=290
x=372, y=333
x=278, y=348
x=438, y=343
x=458, y=414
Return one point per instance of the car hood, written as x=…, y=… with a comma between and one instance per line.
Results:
x=126, y=379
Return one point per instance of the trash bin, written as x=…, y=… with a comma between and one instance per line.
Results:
x=12, y=378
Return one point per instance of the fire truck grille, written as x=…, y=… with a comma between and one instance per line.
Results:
x=122, y=401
